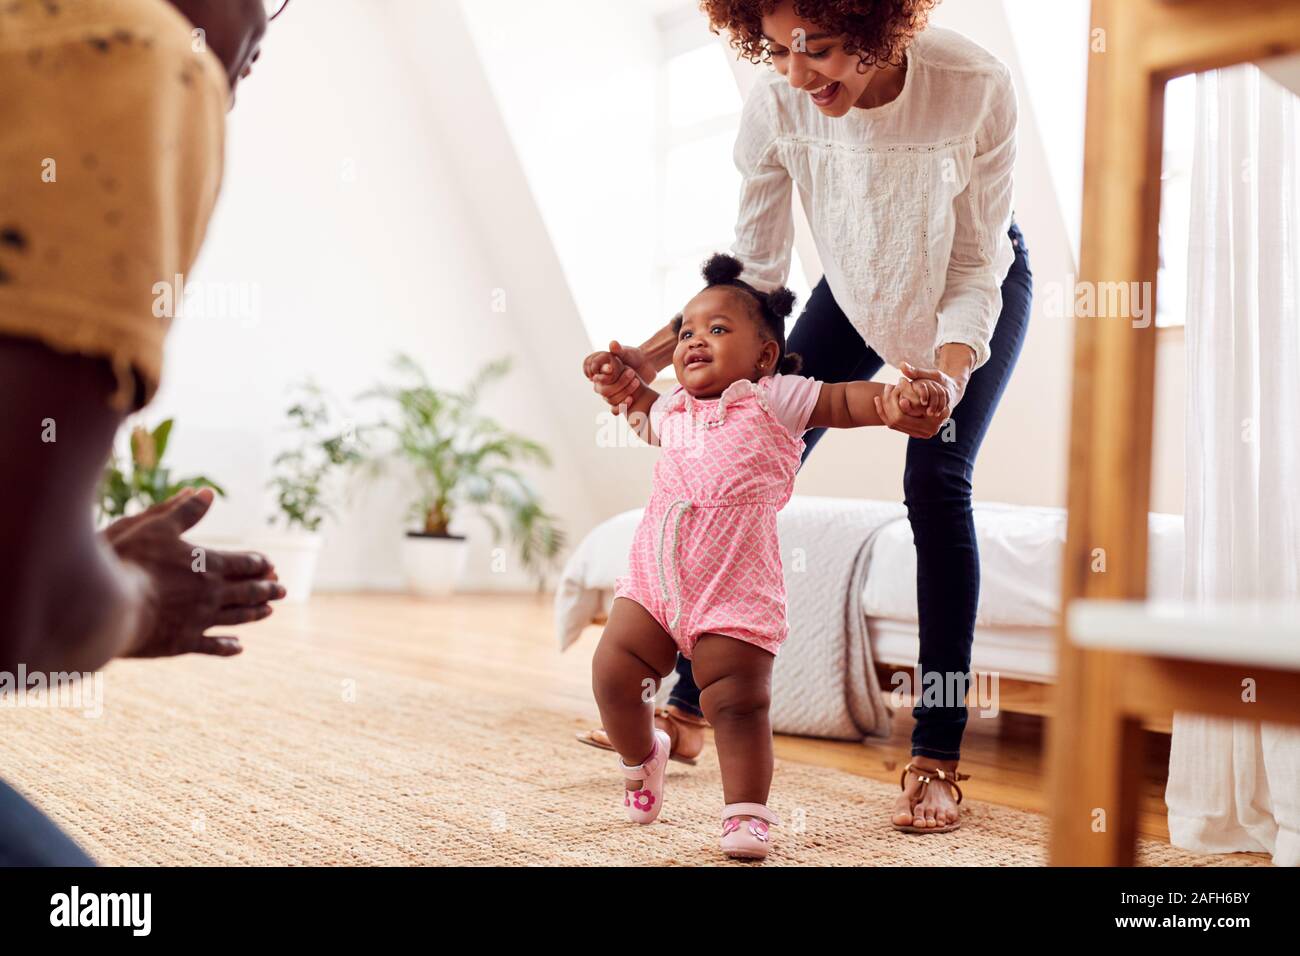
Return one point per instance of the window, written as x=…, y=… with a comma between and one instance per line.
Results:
x=1054, y=42
x=698, y=184
x=1175, y=200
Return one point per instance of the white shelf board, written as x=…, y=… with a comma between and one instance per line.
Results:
x=1285, y=70
x=1265, y=635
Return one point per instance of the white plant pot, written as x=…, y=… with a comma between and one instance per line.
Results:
x=433, y=565
x=294, y=556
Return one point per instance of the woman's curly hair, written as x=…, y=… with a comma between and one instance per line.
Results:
x=771, y=308
x=877, y=31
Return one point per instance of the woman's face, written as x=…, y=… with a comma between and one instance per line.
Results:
x=814, y=61
x=719, y=342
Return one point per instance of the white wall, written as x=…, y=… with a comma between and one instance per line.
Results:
x=343, y=211
x=1052, y=46
x=576, y=84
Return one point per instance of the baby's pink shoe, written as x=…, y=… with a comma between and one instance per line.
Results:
x=746, y=839
x=643, y=804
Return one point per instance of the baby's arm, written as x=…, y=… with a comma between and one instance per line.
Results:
x=854, y=404
x=847, y=405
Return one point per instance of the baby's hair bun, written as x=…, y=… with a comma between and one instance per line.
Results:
x=781, y=302
x=791, y=364
x=722, y=269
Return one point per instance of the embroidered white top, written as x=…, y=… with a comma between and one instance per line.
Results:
x=909, y=202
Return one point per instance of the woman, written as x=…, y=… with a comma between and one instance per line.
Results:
x=902, y=141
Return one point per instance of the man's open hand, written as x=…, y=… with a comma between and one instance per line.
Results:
x=188, y=589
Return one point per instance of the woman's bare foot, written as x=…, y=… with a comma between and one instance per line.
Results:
x=937, y=806
x=685, y=731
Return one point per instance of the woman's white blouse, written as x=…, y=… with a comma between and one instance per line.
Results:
x=909, y=202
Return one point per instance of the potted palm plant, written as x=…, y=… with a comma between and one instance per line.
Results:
x=323, y=444
x=460, y=457
x=143, y=480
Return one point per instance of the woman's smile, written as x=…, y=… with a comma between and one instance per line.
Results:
x=825, y=94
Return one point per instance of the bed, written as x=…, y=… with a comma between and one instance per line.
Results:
x=853, y=616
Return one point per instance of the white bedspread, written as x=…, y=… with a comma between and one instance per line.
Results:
x=1020, y=566
x=848, y=560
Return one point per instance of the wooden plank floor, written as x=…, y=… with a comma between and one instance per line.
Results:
x=504, y=644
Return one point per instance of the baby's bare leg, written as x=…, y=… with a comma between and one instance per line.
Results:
x=735, y=682
x=635, y=653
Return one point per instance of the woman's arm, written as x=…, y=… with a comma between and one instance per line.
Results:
x=657, y=353
x=638, y=413
x=972, y=298
x=956, y=363
x=765, y=219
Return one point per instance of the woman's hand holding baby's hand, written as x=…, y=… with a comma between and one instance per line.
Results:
x=615, y=374
x=923, y=399
x=931, y=392
x=889, y=408
x=920, y=403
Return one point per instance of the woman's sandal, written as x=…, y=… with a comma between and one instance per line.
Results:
x=644, y=803
x=746, y=839
x=928, y=777
x=667, y=719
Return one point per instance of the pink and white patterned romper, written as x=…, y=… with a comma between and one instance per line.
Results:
x=705, y=558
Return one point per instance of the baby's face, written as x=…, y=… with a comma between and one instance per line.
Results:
x=720, y=342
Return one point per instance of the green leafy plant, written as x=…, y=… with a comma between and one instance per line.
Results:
x=143, y=480
x=322, y=447
x=461, y=457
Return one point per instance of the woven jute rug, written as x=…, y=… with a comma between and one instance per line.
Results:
x=290, y=755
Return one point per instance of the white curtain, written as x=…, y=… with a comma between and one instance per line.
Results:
x=1235, y=786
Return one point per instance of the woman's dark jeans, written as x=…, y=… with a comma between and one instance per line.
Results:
x=937, y=492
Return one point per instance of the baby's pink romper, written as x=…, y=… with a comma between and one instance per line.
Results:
x=705, y=558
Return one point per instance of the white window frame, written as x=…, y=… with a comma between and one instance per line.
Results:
x=1176, y=161
x=681, y=31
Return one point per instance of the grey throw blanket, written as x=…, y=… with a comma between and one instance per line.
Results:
x=824, y=682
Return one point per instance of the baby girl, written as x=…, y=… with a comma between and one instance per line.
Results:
x=705, y=568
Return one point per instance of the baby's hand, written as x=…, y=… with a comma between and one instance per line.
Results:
x=613, y=374
x=606, y=368
x=603, y=367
